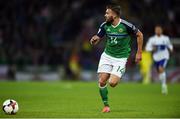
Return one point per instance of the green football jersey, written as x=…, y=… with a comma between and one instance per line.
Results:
x=117, y=38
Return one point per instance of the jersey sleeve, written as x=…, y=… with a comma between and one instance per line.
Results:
x=149, y=45
x=130, y=27
x=101, y=32
x=169, y=45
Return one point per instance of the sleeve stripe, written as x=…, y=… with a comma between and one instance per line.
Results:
x=127, y=23
x=102, y=24
x=101, y=32
x=130, y=26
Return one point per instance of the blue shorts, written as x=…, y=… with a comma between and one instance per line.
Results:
x=161, y=63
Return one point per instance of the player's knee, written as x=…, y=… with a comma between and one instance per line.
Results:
x=113, y=83
x=102, y=83
x=103, y=79
x=161, y=69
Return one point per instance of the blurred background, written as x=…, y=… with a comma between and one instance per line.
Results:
x=49, y=39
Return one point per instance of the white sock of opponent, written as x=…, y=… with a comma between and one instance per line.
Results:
x=162, y=77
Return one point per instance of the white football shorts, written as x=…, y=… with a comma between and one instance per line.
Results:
x=111, y=65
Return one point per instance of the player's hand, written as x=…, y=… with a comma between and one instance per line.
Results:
x=138, y=57
x=154, y=48
x=94, y=40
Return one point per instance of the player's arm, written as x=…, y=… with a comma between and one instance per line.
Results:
x=133, y=30
x=140, y=45
x=96, y=38
x=169, y=45
x=149, y=46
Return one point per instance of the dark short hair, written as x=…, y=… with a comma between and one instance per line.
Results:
x=115, y=8
x=158, y=25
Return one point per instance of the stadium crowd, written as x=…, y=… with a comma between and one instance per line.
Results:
x=57, y=32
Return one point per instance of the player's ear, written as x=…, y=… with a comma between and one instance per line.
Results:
x=115, y=17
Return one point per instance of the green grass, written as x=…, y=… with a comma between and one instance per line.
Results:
x=81, y=99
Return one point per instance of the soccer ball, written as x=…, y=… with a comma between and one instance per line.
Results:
x=10, y=106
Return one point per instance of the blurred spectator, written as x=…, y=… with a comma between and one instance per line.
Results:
x=36, y=32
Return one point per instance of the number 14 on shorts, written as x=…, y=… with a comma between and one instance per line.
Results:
x=121, y=70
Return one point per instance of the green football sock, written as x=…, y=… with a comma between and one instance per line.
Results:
x=104, y=92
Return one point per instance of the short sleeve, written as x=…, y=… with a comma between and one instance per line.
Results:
x=169, y=44
x=130, y=27
x=149, y=45
x=101, y=32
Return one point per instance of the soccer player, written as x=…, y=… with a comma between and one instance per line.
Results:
x=113, y=60
x=160, y=46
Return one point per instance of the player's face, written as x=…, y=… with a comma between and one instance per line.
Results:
x=158, y=30
x=109, y=15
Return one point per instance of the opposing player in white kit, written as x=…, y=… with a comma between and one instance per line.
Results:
x=160, y=46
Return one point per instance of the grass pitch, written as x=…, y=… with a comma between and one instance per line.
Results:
x=81, y=99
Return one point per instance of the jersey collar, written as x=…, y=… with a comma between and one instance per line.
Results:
x=159, y=36
x=117, y=24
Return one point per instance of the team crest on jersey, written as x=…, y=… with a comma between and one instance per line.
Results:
x=120, y=30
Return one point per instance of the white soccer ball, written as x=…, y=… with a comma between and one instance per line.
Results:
x=10, y=106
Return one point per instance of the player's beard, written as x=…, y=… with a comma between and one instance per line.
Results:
x=109, y=20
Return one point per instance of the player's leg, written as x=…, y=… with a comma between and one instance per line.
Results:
x=162, y=75
x=103, y=77
x=104, y=70
x=117, y=71
x=114, y=80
